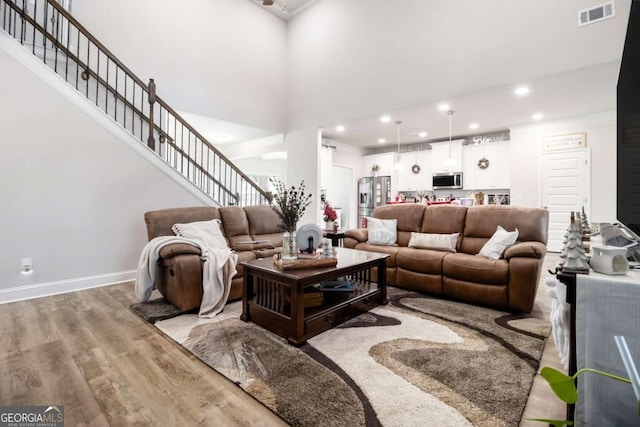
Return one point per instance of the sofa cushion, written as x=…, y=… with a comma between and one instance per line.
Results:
x=482, y=221
x=235, y=225
x=382, y=231
x=438, y=242
x=207, y=232
x=159, y=222
x=391, y=250
x=443, y=219
x=408, y=215
x=498, y=243
x=421, y=260
x=263, y=222
x=262, y=219
x=471, y=268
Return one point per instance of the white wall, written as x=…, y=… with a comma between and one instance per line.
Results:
x=349, y=156
x=526, y=154
x=217, y=58
x=350, y=59
x=303, y=148
x=72, y=195
x=257, y=166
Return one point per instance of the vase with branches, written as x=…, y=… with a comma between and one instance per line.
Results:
x=289, y=203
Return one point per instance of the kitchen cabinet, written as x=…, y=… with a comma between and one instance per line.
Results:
x=440, y=153
x=497, y=175
x=410, y=181
x=385, y=162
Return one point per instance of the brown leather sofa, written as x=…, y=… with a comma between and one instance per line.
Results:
x=509, y=284
x=179, y=272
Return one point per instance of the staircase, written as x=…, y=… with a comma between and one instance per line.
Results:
x=68, y=49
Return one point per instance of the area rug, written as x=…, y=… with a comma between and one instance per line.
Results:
x=416, y=361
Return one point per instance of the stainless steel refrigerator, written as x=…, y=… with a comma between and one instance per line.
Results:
x=373, y=191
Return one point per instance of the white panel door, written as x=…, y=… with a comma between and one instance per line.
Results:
x=565, y=189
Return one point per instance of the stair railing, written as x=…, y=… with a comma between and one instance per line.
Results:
x=63, y=44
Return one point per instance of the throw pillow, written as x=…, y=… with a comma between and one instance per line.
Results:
x=499, y=242
x=439, y=242
x=207, y=232
x=382, y=231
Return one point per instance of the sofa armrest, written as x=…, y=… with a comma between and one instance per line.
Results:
x=526, y=250
x=169, y=251
x=359, y=234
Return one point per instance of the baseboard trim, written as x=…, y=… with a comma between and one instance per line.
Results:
x=40, y=290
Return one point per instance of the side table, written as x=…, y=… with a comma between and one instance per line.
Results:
x=336, y=237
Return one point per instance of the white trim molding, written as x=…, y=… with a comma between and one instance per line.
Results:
x=38, y=290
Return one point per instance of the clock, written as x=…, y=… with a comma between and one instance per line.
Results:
x=483, y=163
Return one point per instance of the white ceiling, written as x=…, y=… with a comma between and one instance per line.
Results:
x=569, y=94
x=589, y=85
x=285, y=9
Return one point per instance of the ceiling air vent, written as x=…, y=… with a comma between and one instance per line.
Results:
x=595, y=14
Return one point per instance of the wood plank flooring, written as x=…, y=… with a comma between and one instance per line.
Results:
x=87, y=351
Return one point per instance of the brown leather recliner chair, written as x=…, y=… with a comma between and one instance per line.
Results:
x=250, y=231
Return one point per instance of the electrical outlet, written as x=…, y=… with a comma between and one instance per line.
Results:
x=27, y=265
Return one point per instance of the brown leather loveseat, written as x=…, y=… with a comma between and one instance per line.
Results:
x=509, y=283
x=179, y=272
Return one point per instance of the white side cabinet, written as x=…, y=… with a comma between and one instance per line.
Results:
x=440, y=154
x=497, y=173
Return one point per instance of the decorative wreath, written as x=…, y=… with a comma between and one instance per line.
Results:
x=415, y=169
x=375, y=168
x=483, y=163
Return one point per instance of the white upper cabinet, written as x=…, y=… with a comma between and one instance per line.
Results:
x=496, y=174
x=385, y=162
x=440, y=154
x=416, y=174
x=469, y=166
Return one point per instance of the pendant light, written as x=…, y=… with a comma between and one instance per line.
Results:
x=398, y=166
x=450, y=162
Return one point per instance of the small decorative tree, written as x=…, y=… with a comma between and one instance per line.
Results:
x=575, y=258
x=586, y=232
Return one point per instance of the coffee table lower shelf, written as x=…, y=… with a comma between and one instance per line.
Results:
x=337, y=309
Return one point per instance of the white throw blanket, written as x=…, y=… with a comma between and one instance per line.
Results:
x=218, y=270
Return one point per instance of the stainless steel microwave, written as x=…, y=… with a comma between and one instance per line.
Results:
x=447, y=180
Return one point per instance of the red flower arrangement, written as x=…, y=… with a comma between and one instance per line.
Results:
x=329, y=214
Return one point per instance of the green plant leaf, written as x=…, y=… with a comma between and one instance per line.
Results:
x=555, y=423
x=561, y=384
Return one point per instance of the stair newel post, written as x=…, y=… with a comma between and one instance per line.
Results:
x=151, y=142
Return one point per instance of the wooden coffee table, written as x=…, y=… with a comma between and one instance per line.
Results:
x=274, y=299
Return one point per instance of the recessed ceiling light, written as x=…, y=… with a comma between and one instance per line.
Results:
x=340, y=128
x=474, y=126
x=422, y=134
x=521, y=91
x=444, y=107
x=382, y=141
x=385, y=119
x=537, y=116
